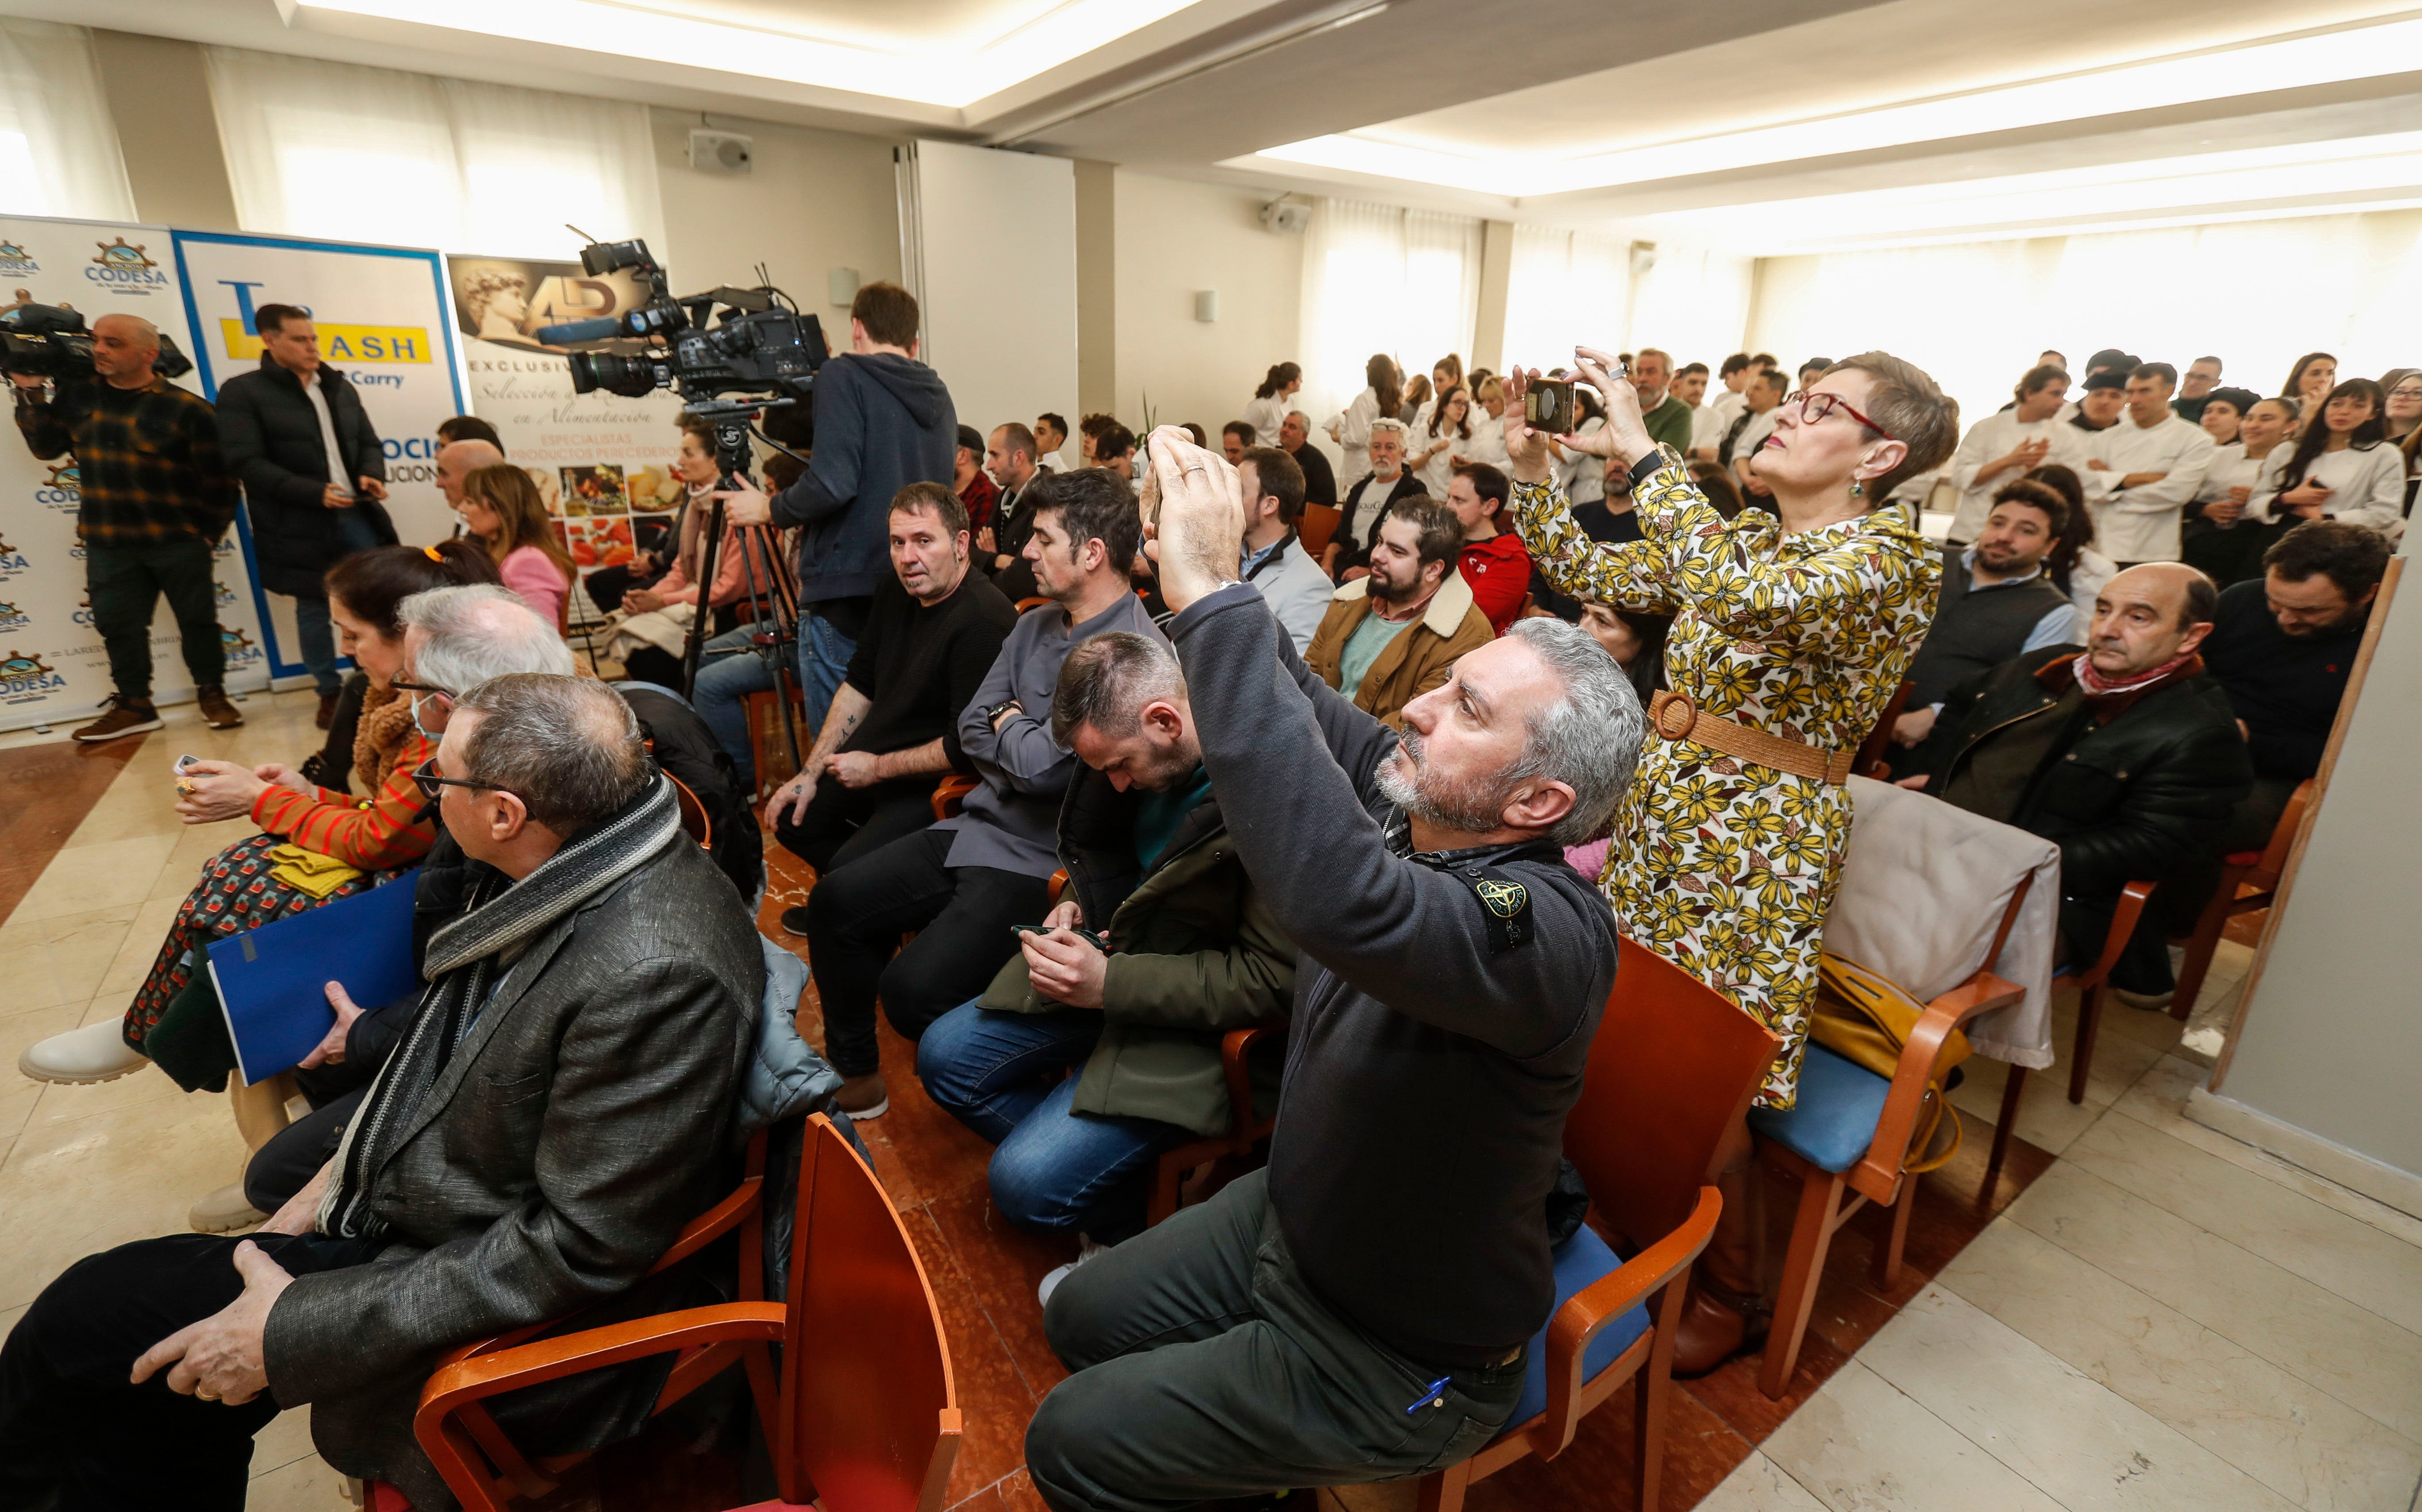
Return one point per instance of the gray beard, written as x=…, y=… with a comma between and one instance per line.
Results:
x=1462, y=807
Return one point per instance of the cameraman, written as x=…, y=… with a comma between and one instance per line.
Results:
x=156, y=498
x=883, y=420
x=314, y=475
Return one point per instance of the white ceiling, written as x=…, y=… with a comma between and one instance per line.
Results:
x=1756, y=125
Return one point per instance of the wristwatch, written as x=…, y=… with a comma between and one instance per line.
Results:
x=992, y=715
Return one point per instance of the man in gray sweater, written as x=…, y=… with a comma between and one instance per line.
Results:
x=1360, y=1310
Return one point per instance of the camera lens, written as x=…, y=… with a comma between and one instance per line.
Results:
x=592, y=371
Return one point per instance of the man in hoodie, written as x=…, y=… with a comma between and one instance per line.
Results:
x=884, y=421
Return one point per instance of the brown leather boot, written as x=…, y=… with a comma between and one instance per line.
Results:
x=1726, y=1313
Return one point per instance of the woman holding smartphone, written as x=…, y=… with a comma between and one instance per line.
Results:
x=1790, y=630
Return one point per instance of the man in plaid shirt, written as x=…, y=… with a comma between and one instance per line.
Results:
x=156, y=499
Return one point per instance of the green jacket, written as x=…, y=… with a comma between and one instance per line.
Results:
x=1195, y=951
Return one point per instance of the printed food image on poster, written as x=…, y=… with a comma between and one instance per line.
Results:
x=598, y=542
x=593, y=490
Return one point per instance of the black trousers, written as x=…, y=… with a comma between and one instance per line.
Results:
x=77, y=1437
x=124, y=584
x=842, y=824
x=293, y=1155
x=1207, y=1368
x=962, y=916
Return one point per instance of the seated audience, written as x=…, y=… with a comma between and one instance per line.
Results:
x=449, y=1216
x=977, y=489
x=2141, y=472
x=1495, y=564
x=2282, y=647
x=1012, y=459
x=2006, y=444
x=2123, y=755
x=468, y=428
x=735, y=663
x=502, y=511
x=1287, y=1333
x=1636, y=639
x=932, y=633
x=1487, y=442
x=457, y=460
x=1051, y=441
x=1611, y=518
x=2341, y=469
x=963, y=883
x=746, y=560
x=1189, y=949
x=1443, y=434
x=1236, y=440
x=1319, y=478
x=2219, y=537
x=2076, y=568
x=1750, y=430
x=1275, y=562
x=1373, y=495
x=1997, y=603
x=1716, y=485
x=1393, y=635
x=1666, y=413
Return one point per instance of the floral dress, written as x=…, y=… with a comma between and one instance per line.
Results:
x=1724, y=867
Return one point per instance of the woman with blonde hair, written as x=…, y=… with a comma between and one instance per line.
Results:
x=502, y=510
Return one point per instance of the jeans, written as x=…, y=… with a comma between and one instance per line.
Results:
x=1207, y=1367
x=728, y=669
x=962, y=915
x=312, y=636
x=124, y=584
x=823, y=661
x=1056, y=1170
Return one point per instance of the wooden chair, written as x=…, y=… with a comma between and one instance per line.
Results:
x=1849, y=1138
x=950, y=793
x=861, y=1412
x=2249, y=881
x=2089, y=984
x=1034, y=602
x=1672, y=1068
x=1317, y=528
x=1878, y=745
x=766, y=752
x=695, y=822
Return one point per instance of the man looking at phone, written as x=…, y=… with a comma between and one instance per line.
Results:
x=1182, y=949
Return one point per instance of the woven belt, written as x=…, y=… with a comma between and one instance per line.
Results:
x=1676, y=718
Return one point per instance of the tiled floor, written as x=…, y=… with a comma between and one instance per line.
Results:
x=2145, y=1314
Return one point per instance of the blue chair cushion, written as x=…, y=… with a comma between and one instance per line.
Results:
x=1579, y=1260
x=1834, y=1121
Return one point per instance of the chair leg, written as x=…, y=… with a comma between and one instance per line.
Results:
x=1888, y=1259
x=2206, y=941
x=1167, y=1173
x=1442, y=1490
x=2089, y=1022
x=2013, y=1087
x=1812, y=1235
x=1653, y=1393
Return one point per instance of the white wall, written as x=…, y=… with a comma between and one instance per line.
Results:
x=1173, y=238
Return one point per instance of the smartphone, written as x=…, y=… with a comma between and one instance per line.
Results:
x=1086, y=935
x=184, y=765
x=1547, y=405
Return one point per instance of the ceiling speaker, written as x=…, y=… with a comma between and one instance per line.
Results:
x=1284, y=217
x=720, y=152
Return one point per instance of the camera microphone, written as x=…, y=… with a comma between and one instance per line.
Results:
x=601, y=329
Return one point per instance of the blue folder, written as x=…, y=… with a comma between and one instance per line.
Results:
x=272, y=981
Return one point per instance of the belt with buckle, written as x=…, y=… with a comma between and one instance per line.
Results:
x=1674, y=716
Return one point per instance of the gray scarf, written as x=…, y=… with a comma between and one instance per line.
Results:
x=499, y=920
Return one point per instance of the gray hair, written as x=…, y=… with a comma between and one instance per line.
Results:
x=1393, y=427
x=478, y=632
x=1589, y=740
x=1106, y=680
x=567, y=747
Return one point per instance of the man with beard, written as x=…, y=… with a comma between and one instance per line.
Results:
x=1392, y=635
x=1388, y=483
x=1360, y=1310
x=1997, y=603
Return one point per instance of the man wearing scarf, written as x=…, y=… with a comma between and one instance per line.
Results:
x=2125, y=755
x=563, y=1103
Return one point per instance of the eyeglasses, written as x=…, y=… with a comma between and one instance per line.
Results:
x=1815, y=407
x=432, y=786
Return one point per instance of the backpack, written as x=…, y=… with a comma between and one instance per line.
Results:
x=686, y=749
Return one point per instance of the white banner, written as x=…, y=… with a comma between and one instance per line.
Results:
x=55, y=669
x=382, y=316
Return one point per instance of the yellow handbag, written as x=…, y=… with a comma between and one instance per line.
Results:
x=1866, y=1020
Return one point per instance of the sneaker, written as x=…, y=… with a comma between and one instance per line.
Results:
x=328, y=714
x=216, y=711
x=794, y=922
x=2149, y=1002
x=225, y=1211
x=126, y=716
x=864, y=1098
x=97, y=1052
x=1086, y=1249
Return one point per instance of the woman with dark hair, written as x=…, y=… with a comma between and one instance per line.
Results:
x=2074, y=566
x=1382, y=397
x=1418, y=394
x=2217, y=538
x=2342, y=468
x=502, y=511
x=2308, y=383
x=1436, y=445
x=1267, y=409
x=2403, y=387
x=1790, y=629
x=2223, y=409
x=1715, y=481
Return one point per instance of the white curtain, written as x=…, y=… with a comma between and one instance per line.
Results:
x=58, y=147
x=1566, y=288
x=364, y=154
x=1378, y=278
x=1694, y=303
x=2255, y=294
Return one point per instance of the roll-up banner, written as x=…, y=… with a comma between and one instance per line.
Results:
x=53, y=667
x=382, y=315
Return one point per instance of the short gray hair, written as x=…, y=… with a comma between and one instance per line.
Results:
x=1590, y=738
x=1393, y=427
x=477, y=632
x=1106, y=680
x=568, y=746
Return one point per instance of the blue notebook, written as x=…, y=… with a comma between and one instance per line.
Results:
x=272, y=981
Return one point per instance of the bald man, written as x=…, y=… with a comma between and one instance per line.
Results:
x=156, y=497
x=458, y=460
x=2125, y=755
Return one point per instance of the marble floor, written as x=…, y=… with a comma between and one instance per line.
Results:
x=2144, y=1314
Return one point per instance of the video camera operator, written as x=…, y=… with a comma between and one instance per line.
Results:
x=156, y=497
x=883, y=420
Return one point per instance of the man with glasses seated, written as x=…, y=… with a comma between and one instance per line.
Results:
x=565, y=1101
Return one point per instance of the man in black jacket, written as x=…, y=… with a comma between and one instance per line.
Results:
x=2126, y=756
x=1319, y=478
x=1360, y=1309
x=314, y=477
x=1368, y=501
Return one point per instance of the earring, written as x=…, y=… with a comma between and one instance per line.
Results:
x=1858, y=490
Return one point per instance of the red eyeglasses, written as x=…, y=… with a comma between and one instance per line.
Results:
x=1815, y=407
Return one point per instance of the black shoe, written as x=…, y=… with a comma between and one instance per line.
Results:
x=794, y=922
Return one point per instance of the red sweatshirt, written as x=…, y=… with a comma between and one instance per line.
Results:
x=1499, y=571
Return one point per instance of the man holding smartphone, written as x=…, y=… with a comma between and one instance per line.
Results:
x=314, y=475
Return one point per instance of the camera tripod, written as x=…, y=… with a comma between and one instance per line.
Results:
x=767, y=582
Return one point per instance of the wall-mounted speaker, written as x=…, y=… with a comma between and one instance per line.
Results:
x=1284, y=217
x=720, y=152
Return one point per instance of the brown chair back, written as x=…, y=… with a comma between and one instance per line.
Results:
x=872, y=1422
x=1670, y=1075
x=1316, y=527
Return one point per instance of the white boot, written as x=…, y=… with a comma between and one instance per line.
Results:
x=97, y=1052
